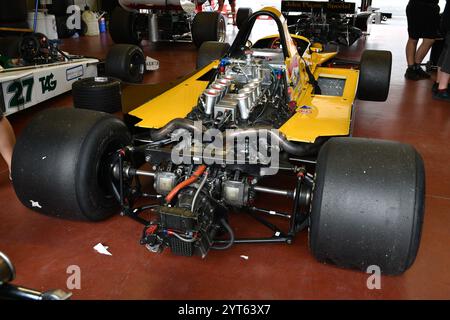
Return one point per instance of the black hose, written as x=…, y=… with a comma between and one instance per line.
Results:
x=230, y=232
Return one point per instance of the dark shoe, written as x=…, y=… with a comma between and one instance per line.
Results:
x=435, y=88
x=416, y=73
x=422, y=74
x=442, y=95
x=411, y=74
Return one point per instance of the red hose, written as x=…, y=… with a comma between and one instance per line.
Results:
x=186, y=182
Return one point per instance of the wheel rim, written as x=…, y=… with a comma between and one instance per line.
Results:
x=221, y=30
x=11, y=272
x=104, y=169
x=136, y=65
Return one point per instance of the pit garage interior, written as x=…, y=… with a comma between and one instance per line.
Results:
x=42, y=247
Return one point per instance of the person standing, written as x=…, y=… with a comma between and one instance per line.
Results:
x=443, y=76
x=7, y=137
x=7, y=140
x=232, y=5
x=423, y=23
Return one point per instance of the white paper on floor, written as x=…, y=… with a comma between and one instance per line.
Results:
x=151, y=64
x=100, y=248
x=35, y=204
x=244, y=257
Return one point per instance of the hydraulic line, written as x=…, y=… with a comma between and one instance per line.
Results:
x=232, y=238
x=202, y=184
x=180, y=237
x=186, y=182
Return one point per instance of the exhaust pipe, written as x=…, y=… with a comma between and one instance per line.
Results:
x=293, y=148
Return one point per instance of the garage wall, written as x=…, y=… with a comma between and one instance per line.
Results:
x=91, y=3
x=258, y=5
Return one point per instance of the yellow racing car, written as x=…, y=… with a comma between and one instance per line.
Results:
x=222, y=140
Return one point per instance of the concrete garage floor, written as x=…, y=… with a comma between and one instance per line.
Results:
x=42, y=247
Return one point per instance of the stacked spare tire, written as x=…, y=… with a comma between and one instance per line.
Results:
x=123, y=63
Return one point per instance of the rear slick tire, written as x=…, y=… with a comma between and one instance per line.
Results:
x=126, y=62
x=61, y=165
x=242, y=16
x=375, y=75
x=123, y=27
x=368, y=204
x=210, y=51
x=208, y=26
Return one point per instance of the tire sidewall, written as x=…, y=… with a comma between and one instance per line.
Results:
x=347, y=227
x=205, y=27
x=104, y=137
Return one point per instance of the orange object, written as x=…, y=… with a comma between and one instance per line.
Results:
x=186, y=182
x=16, y=29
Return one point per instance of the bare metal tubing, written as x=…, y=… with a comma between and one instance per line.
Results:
x=145, y=173
x=253, y=91
x=249, y=92
x=299, y=149
x=177, y=123
x=257, y=82
x=280, y=192
x=293, y=148
x=244, y=103
x=211, y=98
x=220, y=87
x=257, y=240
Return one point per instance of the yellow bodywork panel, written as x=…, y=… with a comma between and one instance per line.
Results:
x=319, y=58
x=320, y=115
x=174, y=103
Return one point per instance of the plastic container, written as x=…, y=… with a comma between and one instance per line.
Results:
x=102, y=25
x=46, y=24
x=91, y=20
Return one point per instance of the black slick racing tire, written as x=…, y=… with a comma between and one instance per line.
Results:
x=242, y=15
x=123, y=27
x=368, y=204
x=375, y=75
x=208, y=26
x=98, y=94
x=210, y=51
x=126, y=62
x=60, y=164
